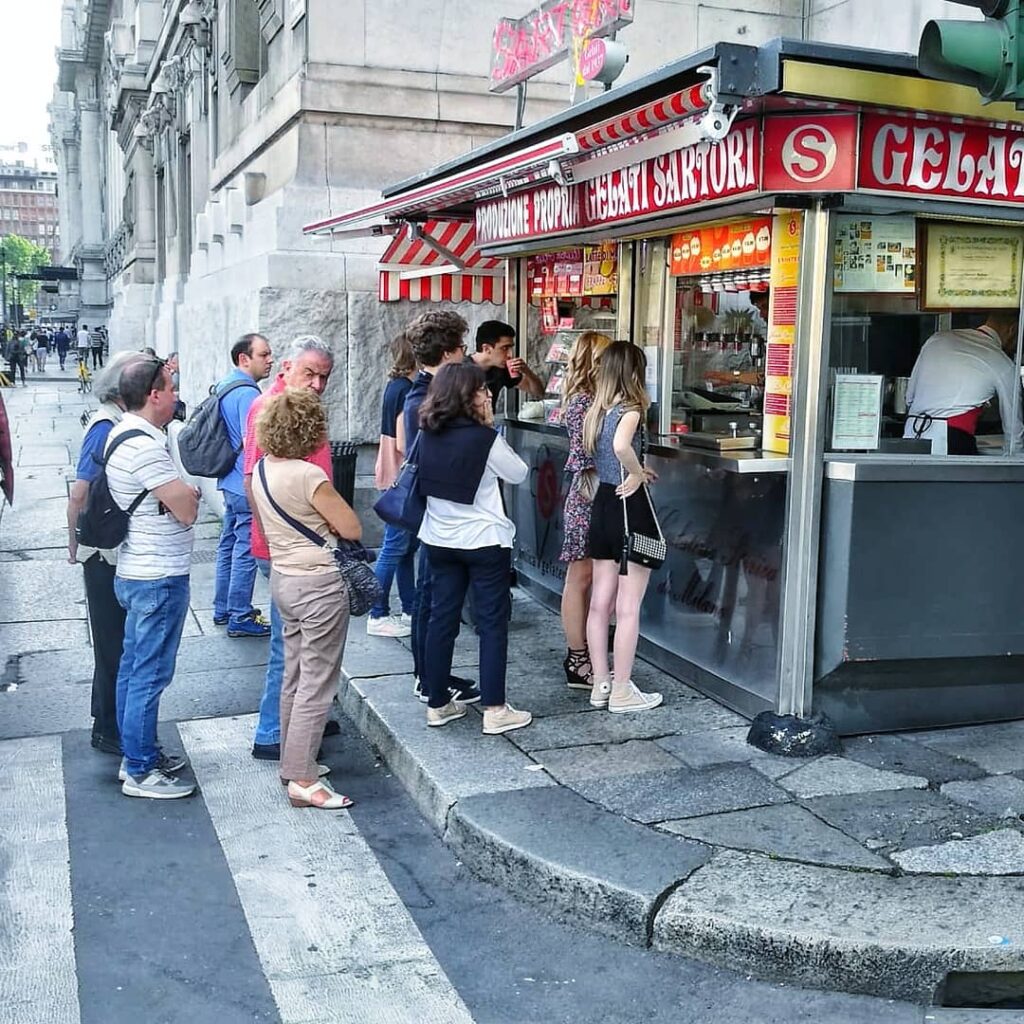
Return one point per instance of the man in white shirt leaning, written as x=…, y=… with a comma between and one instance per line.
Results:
x=956, y=375
x=152, y=581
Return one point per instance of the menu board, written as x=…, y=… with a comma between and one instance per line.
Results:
x=857, y=411
x=737, y=245
x=601, y=269
x=875, y=254
x=787, y=232
x=972, y=266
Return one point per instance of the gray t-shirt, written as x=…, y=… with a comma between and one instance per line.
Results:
x=609, y=469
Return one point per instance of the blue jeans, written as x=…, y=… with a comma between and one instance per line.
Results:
x=421, y=613
x=236, y=568
x=484, y=572
x=154, y=617
x=397, y=558
x=268, y=728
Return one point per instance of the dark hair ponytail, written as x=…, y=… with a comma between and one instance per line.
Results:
x=451, y=396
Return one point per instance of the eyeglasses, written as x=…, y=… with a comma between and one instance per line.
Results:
x=158, y=369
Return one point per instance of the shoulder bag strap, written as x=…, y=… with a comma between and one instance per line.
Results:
x=306, y=532
x=126, y=436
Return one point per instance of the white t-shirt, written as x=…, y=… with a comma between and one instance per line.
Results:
x=157, y=545
x=958, y=371
x=83, y=339
x=449, y=524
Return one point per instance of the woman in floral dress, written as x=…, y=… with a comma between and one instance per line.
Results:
x=577, y=395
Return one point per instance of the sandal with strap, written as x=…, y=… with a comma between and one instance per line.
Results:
x=302, y=796
x=578, y=670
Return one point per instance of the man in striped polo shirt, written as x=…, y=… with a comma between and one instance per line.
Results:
x=152, y=581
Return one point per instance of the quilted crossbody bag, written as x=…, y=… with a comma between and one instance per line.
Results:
x=352, y=559
x=640, y=548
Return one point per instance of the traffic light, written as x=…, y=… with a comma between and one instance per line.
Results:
x=988, y=55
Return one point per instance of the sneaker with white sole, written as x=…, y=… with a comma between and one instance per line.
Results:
x=462, y=690
x=389, y=626
x=505, y=719
x=636, y=700
x=169, y=764
x=158, y=785
x=600, y=692
x=406, y=619
x=437, y=717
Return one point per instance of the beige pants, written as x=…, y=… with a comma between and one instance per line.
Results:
x=314, y=617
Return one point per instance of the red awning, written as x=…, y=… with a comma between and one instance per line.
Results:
x=438, y=261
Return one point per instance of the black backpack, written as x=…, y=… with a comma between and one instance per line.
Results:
x=204, y=445
x=102, y=523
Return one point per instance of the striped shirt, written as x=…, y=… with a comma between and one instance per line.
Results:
x=157, y=545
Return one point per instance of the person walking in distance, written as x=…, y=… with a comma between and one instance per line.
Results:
x=97, y=338
x=61, y=342
x=291, y=492
x=308, y=364
x=106, y=616
x=437, y=338
x=577, y=396
x=83, y=343
x=17, y=358
x=152, y=579
x=236, y=568
x=42, y=350
x=469, y=538
x=397, y=557
x=612, y=431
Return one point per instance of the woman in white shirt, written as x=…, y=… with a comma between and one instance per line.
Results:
x=468, y=538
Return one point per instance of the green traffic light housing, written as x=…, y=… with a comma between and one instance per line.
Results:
x=987, y=54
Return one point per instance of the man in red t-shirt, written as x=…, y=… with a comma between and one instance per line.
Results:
x=308, y=364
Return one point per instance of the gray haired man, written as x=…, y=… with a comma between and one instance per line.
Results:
x=307, y=364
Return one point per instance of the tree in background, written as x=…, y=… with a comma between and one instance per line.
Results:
x=20, y=256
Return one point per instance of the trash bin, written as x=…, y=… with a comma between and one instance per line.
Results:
x=343, y=469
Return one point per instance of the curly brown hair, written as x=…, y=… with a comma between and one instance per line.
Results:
x=291, y=425
x=434, y=333
x=451, y=396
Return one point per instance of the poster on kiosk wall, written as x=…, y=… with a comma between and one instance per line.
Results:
x=787, y=231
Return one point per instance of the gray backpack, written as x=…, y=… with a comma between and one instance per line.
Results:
x=204, y=444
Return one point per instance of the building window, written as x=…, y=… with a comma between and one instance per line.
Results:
x=242, y=41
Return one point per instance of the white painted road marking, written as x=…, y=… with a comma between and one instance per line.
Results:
x=336, y=943
x=37, y=947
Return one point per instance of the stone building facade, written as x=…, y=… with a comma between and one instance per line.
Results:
x=195, y=138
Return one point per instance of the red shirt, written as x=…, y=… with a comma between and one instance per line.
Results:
x=253, y=453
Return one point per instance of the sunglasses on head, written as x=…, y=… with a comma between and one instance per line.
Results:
x=158, y=368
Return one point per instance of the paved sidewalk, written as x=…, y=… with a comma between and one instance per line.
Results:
x=878, y=871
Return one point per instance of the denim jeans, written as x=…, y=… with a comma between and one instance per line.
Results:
x=236, y=568
x=421, y=613
x=397, y=558
x=268, y=728
x=484, y=572
x=155, y=615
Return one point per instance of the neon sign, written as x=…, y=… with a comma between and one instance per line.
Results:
x=523, y=47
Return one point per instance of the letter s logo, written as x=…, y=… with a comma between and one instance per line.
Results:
x=809, y=153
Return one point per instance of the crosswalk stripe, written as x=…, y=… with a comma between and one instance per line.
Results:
x=37, y=949
x=336, y=943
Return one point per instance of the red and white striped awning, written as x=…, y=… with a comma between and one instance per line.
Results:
x=648, y=118
x=438, y=261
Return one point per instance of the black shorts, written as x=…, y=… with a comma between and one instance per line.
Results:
x=607, y=527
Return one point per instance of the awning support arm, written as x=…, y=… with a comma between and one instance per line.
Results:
x=416, y=231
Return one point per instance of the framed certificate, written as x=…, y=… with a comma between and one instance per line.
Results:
x=971, y=266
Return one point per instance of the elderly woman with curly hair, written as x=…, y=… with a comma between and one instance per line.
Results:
x=290, y=492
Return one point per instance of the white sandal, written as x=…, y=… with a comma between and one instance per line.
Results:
x=302, y=796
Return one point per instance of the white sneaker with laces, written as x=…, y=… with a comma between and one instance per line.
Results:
x=389, y=626
x=600, y=692
x=636, y=700
x=505, y=719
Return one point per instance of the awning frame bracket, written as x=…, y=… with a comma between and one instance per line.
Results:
x=416, y=232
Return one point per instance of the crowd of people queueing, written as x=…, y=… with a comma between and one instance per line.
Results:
x=284, y=518
x=26, y=349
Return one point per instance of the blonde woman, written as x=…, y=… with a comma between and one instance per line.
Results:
x=577, y=395
x=612, y=437
x=291, y=494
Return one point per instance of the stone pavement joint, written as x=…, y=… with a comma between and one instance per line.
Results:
x=667, y=829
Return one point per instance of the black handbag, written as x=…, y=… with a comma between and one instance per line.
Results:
x=640, y=548
x=353, y=560
x=401, y=504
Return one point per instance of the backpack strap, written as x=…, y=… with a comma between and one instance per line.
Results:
x=111, y=448
x=306, y=532
x=234, y=385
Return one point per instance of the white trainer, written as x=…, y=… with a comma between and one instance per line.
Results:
x=635, y=700
x=600, y=692
x=389, y=626
x=505, y=719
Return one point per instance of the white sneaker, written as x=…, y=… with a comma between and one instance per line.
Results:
x=505, y=719
x=600, y=692
x=406, y=619
x=389, y=626
x=636, y=700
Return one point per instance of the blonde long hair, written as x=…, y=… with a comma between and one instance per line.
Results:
x=619, y=381
x=581, y=368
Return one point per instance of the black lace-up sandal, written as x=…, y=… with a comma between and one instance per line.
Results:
x=578, y=671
